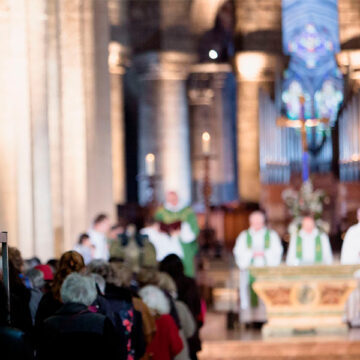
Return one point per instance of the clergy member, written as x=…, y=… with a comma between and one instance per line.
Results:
x=350, y=255
x=257, y=246
x=309, y=246
x=176, y=232
x=350, y=251
x=98, y=237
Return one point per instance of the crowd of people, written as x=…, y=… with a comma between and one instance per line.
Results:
x=85, y=307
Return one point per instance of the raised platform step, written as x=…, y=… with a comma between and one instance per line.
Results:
x=300, y=349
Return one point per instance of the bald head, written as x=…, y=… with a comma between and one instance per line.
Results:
x=308, y=224
x=257, y=220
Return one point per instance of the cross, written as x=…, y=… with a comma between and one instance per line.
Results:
x=302, y=124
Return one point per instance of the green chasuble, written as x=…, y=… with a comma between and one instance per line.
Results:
x=254, y=301
x=318, y=249
x=187, y=214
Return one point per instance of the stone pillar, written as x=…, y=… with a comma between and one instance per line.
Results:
x=25, y=186
x=55, y=134
x=258, y=49
x=117, y=62
x=212, y=100
x=41, y=188
x=86, y=168
x=8, y=183
x=163, y=122
x=254, y=70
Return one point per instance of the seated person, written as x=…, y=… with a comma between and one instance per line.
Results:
x=309, y=246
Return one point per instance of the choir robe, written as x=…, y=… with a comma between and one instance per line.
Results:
x=309, y=249
x=350, y=255
x=244, y=257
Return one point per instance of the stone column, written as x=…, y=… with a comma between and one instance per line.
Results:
x=258, y=48
x=41, y=191
x=213, y=108
x=163, y=121
x=86, y=170
x=254, y=70
x=26, y=200
x=117, y=61
x=8, y=183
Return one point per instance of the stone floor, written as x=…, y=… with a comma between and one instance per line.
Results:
x=220, y=344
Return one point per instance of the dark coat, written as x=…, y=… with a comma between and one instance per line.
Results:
x=15, y=344
x=20, y=315
x=75, y=333
x=48, y=306
x=120, y=300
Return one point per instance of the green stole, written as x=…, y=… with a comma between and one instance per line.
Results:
x=189, y=249
x=254, y=300
x=318, y=248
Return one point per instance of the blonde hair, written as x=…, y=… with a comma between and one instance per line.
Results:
x=148, y=276
x=166, y=283
x=119, y=275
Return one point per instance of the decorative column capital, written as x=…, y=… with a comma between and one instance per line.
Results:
x=349, y=64
x=119, y=58
x=165, y=65
x=257, y=66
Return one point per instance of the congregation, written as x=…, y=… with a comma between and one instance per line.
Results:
x=90, y=305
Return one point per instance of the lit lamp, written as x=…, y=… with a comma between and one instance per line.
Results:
x=206, y=143
x=150, y=164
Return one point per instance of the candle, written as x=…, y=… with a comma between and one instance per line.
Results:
x=206, y=143
x=150, y=164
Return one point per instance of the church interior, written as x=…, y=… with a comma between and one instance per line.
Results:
x=244, y=111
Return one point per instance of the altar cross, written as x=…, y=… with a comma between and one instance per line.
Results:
x=302, y=124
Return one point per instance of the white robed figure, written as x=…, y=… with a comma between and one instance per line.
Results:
x=309, y=246
x=257, y=246
x=350, y=255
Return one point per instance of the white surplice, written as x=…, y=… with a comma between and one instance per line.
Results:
x=100, y=242
x=350, y=255
x=244, y=257
x=166, y=244
x=308, y=249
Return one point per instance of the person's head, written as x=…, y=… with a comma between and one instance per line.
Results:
x=115, y=231
x=147, y=276
x=155, y=299
x=172, y=265
x=70, y=262
x=172, y=198
x=4, y=311
x=31, y=263
x=308, y=224
x=102, y=223
x=358, y=214
x=166, y=283
x=120, y=275
x=100, y=267
x=16, y=259
x=84, y=240
x=99, y=281
x=257, y=220
x=36, y=278
x=78, y=289
x=54, y=264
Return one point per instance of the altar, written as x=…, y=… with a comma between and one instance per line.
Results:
x=305, y=300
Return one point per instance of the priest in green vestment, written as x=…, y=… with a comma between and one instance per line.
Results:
x=176, y=232
x=309, y=246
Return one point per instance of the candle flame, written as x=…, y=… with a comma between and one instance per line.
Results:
x=206, y=136
x=150, y=157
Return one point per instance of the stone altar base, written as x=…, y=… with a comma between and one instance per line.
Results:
x=305, y=300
